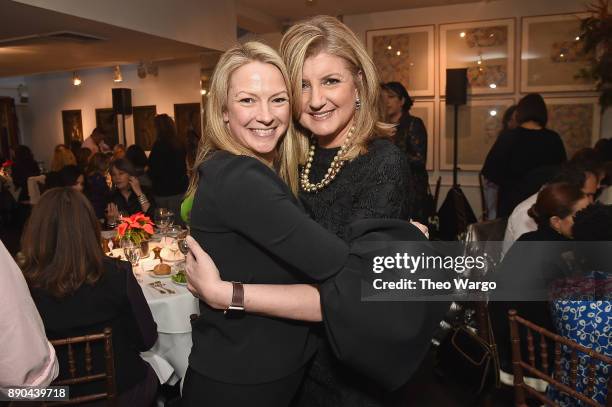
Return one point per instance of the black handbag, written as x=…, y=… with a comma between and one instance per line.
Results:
x=468, y=360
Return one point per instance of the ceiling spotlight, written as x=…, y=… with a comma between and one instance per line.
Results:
x=389, y=47
x=117, y=77
x=203, y=92
x=462, y=34
x=479, y=62
x=398, y=53
x=493, y=112
x=561, y=55
x=492, y=86
x=578, y=38
x=76, y=81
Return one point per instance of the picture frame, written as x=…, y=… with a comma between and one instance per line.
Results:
x=480, y=122
x=486, y=48
x=72, y=125
x=187, y=117
x=405, y=55
x=106, y=120
x=576, y=119
x=144, y=126
x=425, y=110
x=550, y=54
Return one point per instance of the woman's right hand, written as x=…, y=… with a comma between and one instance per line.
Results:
x=203, y=278
x=112, y=213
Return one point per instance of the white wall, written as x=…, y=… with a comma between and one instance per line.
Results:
x=52, y=93
x=208, y=23
x=360, y=23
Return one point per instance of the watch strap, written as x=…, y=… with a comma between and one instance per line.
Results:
x=237, y=303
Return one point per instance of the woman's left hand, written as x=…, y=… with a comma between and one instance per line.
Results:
x=203, y=278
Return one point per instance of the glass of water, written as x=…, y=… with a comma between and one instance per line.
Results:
x=131, y=251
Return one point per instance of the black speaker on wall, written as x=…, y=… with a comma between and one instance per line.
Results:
x=456, y=86
x=122, y=101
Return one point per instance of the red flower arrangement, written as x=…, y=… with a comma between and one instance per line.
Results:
x=136, y=228
x=7, y=163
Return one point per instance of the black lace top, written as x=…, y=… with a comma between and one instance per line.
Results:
x=373, y=185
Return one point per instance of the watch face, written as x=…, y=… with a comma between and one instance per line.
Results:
x=234, y=312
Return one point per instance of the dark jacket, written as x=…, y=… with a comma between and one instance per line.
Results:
x=167, y=169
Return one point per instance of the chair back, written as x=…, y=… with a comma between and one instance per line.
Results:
x=108, y=375
x=521, y=367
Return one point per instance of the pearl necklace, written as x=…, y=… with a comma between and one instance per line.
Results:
x=333, y=169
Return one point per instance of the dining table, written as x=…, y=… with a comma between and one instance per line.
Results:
x=172, y=306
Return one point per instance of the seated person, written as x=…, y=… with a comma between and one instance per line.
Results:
x=127, y=196
x=97, y=188
x=68, y=176
x=79, y=291
x=582, y=304
x=532, y=264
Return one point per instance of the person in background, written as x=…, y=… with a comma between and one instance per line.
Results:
x=95, y=142
x=137, y=156
x=411, y=138
x=127, y=196
x=533, y=264
x=582, y=174
x=604, y=149
x=24, y=167
x=490, y=189
x=518, y=152
x=79, y=291
x=167, y=168
x=83, y=156
x=69, y=176
x=582, y=304
x=118, y=151
x=62, y=157
x=26, y=356
x=98, y=185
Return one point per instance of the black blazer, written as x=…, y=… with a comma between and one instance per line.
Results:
x=115, y=301
x=246, y=218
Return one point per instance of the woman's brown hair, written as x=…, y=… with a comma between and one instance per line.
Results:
x=61, y=243
x=99, y=163
x=556, y=199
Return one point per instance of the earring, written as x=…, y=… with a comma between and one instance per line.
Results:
x=357, y=103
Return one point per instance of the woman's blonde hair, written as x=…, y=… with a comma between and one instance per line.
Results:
x=62, y=156
x=327, y=34
x=217, y=135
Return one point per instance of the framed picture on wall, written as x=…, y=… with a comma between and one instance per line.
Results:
x=424, y=110
x=485, y=48
x=144, y=126
x=405, y=55
x=480, y=121
x=188, y=121
x=551, y=54
x=106, y=120
x=576, y=119
x=72, y=124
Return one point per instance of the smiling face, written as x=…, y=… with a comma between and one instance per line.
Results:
x=328, y=98
x=257, y=111
x=121, y=179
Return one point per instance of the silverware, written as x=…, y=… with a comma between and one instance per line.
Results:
x=155, y=286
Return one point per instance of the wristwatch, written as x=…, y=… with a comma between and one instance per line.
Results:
x=236, y=307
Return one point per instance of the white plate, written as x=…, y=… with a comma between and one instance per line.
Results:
x=152, y=274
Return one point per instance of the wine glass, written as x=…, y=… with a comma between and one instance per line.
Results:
x=173, y=234
x=131, y=251
x=163, y=218
x=182, y=243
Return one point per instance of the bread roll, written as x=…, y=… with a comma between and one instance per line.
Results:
x=162, y=269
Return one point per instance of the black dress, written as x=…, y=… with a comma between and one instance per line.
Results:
x=246, y=218
x=515, y=154
x=373, y=185
x=411, y=138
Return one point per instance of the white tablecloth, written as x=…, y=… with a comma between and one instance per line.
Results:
x=169, y=355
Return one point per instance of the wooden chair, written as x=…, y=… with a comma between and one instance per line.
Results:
x=108, y=375
x=520, y=366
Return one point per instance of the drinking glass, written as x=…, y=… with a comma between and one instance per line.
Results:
x=163, y=218
x=131, y=251
x=182, y=243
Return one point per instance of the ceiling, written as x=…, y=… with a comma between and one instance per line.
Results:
x=26, y=48
x=292, y=10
